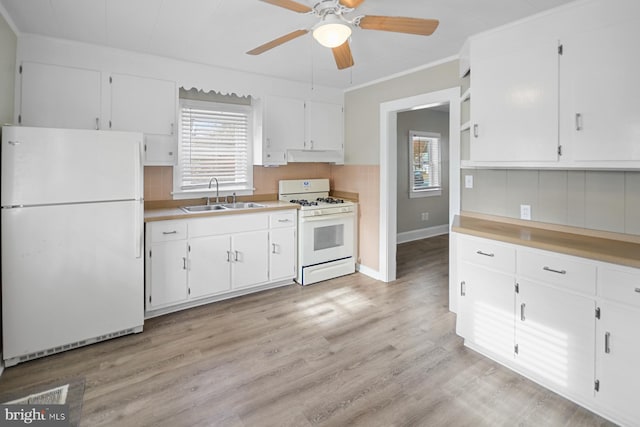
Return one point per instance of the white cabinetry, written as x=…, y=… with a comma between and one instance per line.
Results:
x=600, y=111
x=514, y=114
x=618, y=342
x=199, y=260
x=146, y=105
x=166, y=264
x=312, y=130
x=60, y=97
x=323, y=126
x=569, y=323
x=553, y=90
x=282, y=245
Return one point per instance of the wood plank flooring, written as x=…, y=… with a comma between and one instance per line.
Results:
x=347, y=352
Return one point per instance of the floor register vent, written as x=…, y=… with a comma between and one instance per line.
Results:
x=60, y=349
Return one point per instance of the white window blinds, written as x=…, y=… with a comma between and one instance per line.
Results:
x=215, y=141
x=425, y=161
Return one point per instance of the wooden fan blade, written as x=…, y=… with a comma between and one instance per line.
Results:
x=277, y=42
x=399, y=24
x=290, y=4
x=352, y=4
x=342, y=55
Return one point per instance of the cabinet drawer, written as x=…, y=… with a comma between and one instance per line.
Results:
x=283, y=219
x=164, y=231
x=487, y=253
x=619, y=284
x=567, y=272
x=225, y=224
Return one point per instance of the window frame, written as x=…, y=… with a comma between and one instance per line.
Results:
x=225, y=188
x=434, y=190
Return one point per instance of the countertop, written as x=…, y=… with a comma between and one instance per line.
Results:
x=592, y=247
x=164, y=214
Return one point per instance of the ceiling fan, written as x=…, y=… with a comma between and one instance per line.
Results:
x=334, y=28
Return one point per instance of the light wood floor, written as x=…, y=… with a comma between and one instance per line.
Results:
x=346, y=352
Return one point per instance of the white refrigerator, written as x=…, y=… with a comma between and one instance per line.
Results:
x=72, y=239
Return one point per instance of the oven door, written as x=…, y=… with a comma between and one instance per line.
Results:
x=326, y=238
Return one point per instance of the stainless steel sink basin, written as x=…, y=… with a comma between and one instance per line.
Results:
x=243, y=205
x=203, y=208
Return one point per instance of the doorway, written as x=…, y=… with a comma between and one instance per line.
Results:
x=388, y=167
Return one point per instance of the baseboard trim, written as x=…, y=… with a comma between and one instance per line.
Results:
x=374, y=274
x=423, y=233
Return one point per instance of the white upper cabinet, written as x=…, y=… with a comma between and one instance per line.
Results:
x=514, y=111
x=599, y=99
x=60, y=97
x=323, y=126
x=557, y=90
x=146, y=105
x=282, y=127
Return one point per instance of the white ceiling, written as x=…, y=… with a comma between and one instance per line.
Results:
x=219, y=32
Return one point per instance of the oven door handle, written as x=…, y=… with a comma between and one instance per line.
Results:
x=329, y=217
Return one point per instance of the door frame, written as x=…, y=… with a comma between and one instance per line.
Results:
x=389, y=168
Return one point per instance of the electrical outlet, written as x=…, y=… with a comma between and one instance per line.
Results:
x=468, y=181
x=525, y=212
x=425, y=216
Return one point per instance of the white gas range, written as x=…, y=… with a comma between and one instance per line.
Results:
x=326, y=230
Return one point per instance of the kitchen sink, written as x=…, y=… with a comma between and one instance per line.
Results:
x=243, y=205
x=202, y=208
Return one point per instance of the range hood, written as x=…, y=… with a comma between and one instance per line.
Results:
x=318, y=156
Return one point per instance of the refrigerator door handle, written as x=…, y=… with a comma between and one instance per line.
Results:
x=139, y=227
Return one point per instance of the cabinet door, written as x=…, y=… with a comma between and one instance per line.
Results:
x=209, y=265
x=599, y=107
x=250, y=256
x=555, y=337
x=323, y=126
x=486, y=309
x=617, y=355
x=143, y=104
x=282, y=256
x=283, y=124
x=514, y=109
x=59, y=97
x=168, y=273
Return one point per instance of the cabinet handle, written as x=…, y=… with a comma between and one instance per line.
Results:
x=286, y=220
x=475, y=130
x=273, y=248
x=545, y=268
x=170, y=232
x=607, y=342
x=485, y=254
x=637, y=290
x=184, y=263
x=97, y=123
x=228, y=256
x=171, y=128
x=463, y=289
x=268, y=142
x=237, y=255
x=522, y=306
x=311, y=144
x=578, y=121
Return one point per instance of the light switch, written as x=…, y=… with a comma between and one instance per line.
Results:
x=525, y=212
x=468, y=181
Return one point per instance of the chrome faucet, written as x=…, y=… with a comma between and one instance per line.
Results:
x=217, y=191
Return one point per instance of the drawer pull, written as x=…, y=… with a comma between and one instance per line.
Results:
x=169, y=232
x=485, y=254
x=638, y=290
x=463, y=289
x=522, y=306
x=607, y=342
x=184, y=263
x=554, y=271
x=284, y=220
x=228, y=256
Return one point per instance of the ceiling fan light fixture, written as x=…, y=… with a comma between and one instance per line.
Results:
x=331, y=32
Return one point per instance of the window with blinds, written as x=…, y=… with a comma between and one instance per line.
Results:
x=215, y=141
x=425, y=164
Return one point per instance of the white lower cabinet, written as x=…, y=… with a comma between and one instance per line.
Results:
x=555, y=337
x=197, y=260
x=569, y=323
